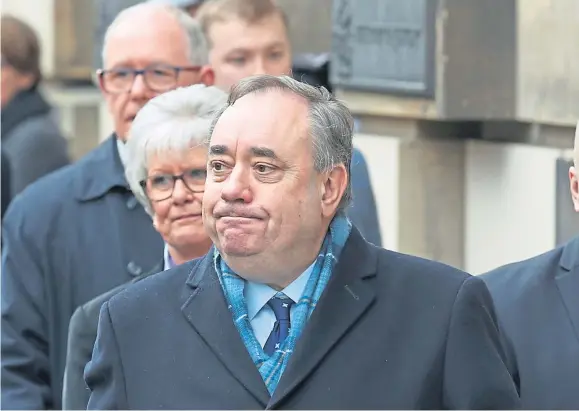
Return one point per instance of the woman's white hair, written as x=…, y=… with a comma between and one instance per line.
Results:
x=173, y=122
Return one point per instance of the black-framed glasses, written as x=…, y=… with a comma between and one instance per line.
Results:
x=160, y=187
x=158, y=77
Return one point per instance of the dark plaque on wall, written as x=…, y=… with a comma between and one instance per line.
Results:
x=384, y=45
x=105, y=12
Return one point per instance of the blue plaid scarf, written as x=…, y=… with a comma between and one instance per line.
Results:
x=272, y=367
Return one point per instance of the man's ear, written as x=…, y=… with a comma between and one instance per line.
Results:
x=207, y=75
x=98, y=79
x=333, y=188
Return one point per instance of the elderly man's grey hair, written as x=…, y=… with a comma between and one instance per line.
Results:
x=198, y=53
x=331, y=123
x=173, y=122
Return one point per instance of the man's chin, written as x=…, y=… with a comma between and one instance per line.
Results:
x=237, y=251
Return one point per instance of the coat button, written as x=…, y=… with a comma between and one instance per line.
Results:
x=134, y=269
x=132, y=203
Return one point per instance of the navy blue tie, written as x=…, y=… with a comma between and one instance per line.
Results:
x=281, y=308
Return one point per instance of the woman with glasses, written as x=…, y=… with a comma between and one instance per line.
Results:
x=166, y=161
x=166, y=166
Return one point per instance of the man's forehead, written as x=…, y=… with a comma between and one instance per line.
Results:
x=159, y=23
x=269, y=107
x=262, y=118
x=162, y=39
x=233, y=31
x=145, y=21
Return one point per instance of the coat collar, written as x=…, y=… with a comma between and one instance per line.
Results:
x=570, y=256
x=567, y=281
x=23, y=106
x=101, y=171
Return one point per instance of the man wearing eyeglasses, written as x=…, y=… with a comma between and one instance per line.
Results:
x=80, y=232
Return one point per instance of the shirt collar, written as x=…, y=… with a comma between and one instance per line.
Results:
x=100, y=171
x=167, y=259
x=122, y=149
x=257, y=294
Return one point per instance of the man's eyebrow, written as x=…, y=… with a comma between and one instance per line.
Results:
x=218, y=149
x=130, y=65
x=263, y=152
x=245, y=50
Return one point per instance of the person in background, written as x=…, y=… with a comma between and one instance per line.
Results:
x=31, y=137
x=537, y=303
x=6, y=195
x=292, y=308
x=80, y=231
x=189, y=6
x=250, y=37
x=166, y=169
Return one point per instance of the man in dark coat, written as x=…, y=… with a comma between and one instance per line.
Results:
x=537, y=302
x=5, y=195
x=293, y=308
x=31, y=138
x=80, y=232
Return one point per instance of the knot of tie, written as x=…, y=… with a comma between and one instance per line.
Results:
x=281, y=307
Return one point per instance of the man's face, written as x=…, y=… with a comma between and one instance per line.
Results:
x=9, y=86
x=240, y=50
x=129, y=46
x=12, y=82
x=263, y=197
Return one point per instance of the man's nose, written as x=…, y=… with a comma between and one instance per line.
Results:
x=139, y=87
x=259, y=67
x=237, y=187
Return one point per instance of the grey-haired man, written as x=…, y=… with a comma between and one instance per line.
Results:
x=293, y=308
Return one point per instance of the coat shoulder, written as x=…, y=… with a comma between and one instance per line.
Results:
x=39, y=127
x=92, y=308
x=421, y=282
x=42, y=204
x=419, y=269
x=55, y=192
x=153, y=292
x=522, y=276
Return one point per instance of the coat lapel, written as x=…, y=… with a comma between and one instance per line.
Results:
x=568, y=281
x=206, y=310
x=346, y=298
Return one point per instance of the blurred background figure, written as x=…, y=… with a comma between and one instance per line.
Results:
x=31, y=138
x=247, y=38
x=166, y=169
x=5, y=194
x=537, y=306
x=189, y=6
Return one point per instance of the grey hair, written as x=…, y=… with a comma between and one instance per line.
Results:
x=172, y=122
x=197, y=52
x=331, y=124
